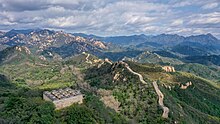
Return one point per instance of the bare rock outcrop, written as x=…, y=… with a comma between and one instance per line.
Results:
x=100, y=44
x=23, y=48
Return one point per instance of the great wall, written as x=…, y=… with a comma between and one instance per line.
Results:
x=159, y=93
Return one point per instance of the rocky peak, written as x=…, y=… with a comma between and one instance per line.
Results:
x=80, y=39
x=44, y=38
x=62, y=43
x=23, y=48
x=99, y=44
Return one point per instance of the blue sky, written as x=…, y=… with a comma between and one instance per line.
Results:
x=114, y=17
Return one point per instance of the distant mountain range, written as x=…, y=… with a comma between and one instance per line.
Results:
x=192, y=45
x=50, y=44
x=41, y=40
x=163, y=39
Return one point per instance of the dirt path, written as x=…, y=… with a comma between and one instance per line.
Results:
x=160, y=101
x=159, y=93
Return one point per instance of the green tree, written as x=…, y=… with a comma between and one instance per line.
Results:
x=79, y=114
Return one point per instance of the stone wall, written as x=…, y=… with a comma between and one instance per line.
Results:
x=46, y=98
x=59, y=104
x=186, y=85
x=62, y=103
x=169, y=69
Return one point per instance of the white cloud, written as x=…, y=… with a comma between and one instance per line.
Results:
x=151, y=29
x=7, y=22
x=199, y=31
x=177, y=22
x=210, y=6
x=182, y=3
x=112, y=17
x=210, y=18
x=137, y=18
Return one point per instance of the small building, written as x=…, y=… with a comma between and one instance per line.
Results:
x=63, y=97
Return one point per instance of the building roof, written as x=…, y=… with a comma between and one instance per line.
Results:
x=61, y=93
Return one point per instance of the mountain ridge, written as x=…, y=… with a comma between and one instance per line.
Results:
x=40, y=40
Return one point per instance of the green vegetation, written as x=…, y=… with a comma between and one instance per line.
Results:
x=80, y=115
x=145, y=67
x=207, y=72
x=43, y=76
x=26, y=106
x=21, y=96
x=26, y=110
x=115, y=56
x=105, y=114
x=92, y=111
x=148, y=57
x=205, y=96
x=205, y=60
x=104, y=81
x=4, y=81
x=23, y=81
x=198, y=103
x=138, y=101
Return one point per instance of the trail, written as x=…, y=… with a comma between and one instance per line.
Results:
x=87, y=59
x=159, y=93
x=160, y=101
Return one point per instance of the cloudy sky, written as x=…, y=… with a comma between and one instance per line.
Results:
x=114, y=17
